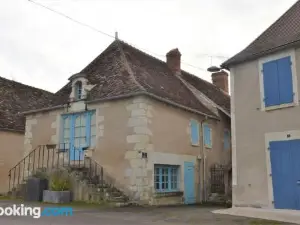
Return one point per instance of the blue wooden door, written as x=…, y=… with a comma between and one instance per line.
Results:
x=189, y=183
x=285, y=158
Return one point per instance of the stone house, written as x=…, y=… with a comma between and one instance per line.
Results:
x=152, y=126
x=264, y=109
x=14, y=99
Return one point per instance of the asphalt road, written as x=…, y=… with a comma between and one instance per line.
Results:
x=133, y=216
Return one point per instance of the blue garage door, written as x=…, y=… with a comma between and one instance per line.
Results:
x=285, y=164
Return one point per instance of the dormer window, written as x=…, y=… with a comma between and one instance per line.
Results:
x=78, y=90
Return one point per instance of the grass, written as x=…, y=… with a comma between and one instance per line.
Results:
x=265, y=222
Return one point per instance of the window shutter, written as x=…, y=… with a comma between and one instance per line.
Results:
x=285, y=80
x=271, y=84
x=88, y=128
x=207, y=135
x=194, y=132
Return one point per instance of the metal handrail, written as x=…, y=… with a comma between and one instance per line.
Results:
x=52, y=156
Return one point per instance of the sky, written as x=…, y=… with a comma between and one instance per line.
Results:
x=43, y=49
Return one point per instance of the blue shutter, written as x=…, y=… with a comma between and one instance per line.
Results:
x=271, y=84
x=88, y=128
x=285, y=80
x=194, y=132
x=207, y=136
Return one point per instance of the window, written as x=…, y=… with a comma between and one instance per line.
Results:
x=78, y=90
x=226, y=140
x=278, y=82
x=194, y=125
x=207, y=136
x=166, y=178
x=78, y=130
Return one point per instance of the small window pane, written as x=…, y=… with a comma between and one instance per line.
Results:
x=82, y=120
x=157, y=186
x=82, y=142
x=82, y=132
x=66, y=122
x=77, y=132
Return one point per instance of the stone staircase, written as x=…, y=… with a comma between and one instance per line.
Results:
x=89, y=181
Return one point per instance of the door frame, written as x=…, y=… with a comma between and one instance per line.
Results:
x=276, y=136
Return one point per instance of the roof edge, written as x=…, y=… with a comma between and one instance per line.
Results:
x=127, y=96
x=42, y=110
x=12, y=130
x=155, y=97
x=260, y=54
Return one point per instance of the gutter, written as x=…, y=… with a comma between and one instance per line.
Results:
x=42, y=110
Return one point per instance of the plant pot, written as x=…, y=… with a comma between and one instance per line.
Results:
x=57, y=196
x=34, y=189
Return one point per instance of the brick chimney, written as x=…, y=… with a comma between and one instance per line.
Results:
x=173, y=60
x=220, y=79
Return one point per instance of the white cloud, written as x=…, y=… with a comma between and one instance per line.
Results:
x=43, y=49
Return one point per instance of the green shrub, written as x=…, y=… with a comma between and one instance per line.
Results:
x=41, y=173
x=60, y=181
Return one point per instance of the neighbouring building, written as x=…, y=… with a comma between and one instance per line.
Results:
x=265, y=108
x=14, y=99
x=154, y=128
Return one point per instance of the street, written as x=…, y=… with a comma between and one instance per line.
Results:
x=134, y=216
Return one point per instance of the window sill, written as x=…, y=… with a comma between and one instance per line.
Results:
x=168, y=194
x=195, y=145
x=282, y=106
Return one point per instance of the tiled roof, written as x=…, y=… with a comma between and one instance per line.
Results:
x=16, y=98
x=282, y=34
x=122, y=70
x=214, y=93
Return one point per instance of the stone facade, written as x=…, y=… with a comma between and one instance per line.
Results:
x=139, y=140
x=133, y=135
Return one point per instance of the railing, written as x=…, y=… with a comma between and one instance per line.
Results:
x=48, y=157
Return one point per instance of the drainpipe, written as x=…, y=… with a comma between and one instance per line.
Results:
x=204, y=160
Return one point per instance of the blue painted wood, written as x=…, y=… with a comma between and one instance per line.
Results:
x=88, y=128
x=207, y=135
x=189, y=183
x=285, y=80
x=285, y=167
x=194, y=132
x=164, y=174
x=271, y=84
x=76, y=152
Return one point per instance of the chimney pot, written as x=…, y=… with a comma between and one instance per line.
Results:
x=220, y=79
x=174, y=60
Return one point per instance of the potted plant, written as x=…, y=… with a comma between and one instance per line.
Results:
x=59, y=188
x=35, y=185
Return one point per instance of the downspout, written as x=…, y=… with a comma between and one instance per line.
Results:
x=204, y=160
